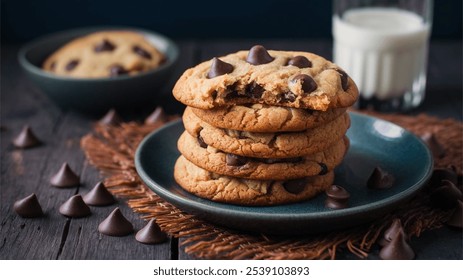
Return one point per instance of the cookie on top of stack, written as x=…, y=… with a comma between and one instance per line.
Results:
x=262, y=127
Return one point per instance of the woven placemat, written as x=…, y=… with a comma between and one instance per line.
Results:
x=111, y=149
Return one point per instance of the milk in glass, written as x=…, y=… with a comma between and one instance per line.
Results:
x=384, y=50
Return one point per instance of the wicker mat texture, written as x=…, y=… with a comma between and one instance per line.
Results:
x=111, y=149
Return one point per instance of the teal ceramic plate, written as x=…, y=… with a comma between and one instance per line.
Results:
x=374, y=142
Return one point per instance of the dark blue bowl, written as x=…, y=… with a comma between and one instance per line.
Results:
x=97, y=95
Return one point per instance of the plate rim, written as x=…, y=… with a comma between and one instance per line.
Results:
x=245, y=210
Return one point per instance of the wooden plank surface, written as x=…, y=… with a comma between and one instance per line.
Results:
x=56, y=237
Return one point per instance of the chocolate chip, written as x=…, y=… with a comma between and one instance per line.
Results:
x=324, y=168
x=446, y=196
x=117, y=70
x=391, y=232
x=201, y=142
x=307, y=83
x=300, y=62
x=141, y=52
x=254, y=90
x=151, y=234
x=53, y=66
x=28, y=207
x=397, y=248
x=440, y=174
x=235, y=160
x=111, y=118
x=433, y=144
x=115, y=224
x=287, y=97
x=26, y=139
x=219, y=68
x=157, y=116
x=337, y=197
x=295, y=186
x=75, y=207
x=380, y=179
x=65, y=177
x=71, y=65
x=99, y=196
x=456, y=220
x=258, y=55
x=344, y=79
x=104, y=46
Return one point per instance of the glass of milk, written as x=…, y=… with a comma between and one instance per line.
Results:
x=383, y=46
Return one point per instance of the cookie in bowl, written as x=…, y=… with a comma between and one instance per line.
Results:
x=105, y=54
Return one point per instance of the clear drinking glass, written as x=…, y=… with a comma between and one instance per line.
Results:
x=383, y=46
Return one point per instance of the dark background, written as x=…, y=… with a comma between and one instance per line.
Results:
x=23, y=20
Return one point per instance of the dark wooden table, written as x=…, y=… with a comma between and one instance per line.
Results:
x=27, y=171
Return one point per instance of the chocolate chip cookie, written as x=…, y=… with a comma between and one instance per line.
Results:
x=104, y=54
x=233, y=190
x=214, y=160
x=267, y=145
x=279, y=78
x=265, y=118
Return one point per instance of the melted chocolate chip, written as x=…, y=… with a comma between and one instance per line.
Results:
x=26, y=139
x=115, y=224
x=201, y=142
x=287, y=97
x=232, y=95
x=456, y=220
x=141, y=52
x=300, y=62
x=380, y=179
x=308, y=84
x=219, y=68
x=295, y=186
x=324, y=168
x=53, y=66
x=254, y=90
x=158, y=115
x=397, y=248
x=279, y=160
x=117, y=70
x=99, y=196
x=258, y=55
x=104, y=46
x=65, y=177
x=151, y=234
x=344, y=79
x=111, y=118
x=337, y=197
x=28, y=207
x=75, y=207
x=446, y=196
x=433, y=144
x=71, y=65
x=235, y=160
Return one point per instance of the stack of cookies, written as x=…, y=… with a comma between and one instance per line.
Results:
x=262, y=127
